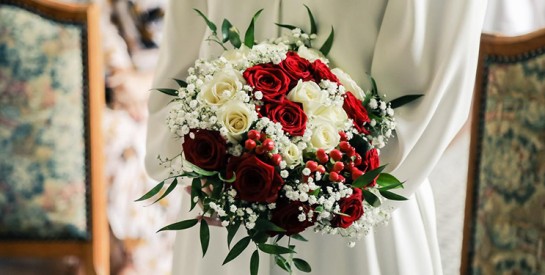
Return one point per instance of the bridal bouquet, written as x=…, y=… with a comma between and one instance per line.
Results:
x=276, y=142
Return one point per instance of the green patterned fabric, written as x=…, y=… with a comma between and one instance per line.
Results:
x=42, y=146
x=509, y=212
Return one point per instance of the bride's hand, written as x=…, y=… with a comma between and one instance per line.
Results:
x=214, y=220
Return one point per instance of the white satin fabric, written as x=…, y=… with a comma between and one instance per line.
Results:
x=508, y=17
x=409, y=46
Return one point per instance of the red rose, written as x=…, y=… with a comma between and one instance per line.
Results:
x=270, y=79
x=352, y=207
x=296, y=67
x=370, y=161
x=356, y=111
x=286, y=215
x=322, y=71
x=208, y=150
x=256, y=181
x=289, y=114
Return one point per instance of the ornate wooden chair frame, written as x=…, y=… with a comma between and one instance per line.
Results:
x=94, y=252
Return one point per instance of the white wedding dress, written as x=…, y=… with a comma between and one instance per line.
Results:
x=409, y=46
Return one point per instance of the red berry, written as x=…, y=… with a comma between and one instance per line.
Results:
x=336, y=155
x=343, y=136
x=268, y=144
x=334, y=176
x=259, y=150
x=338, y=167
x=356, y=173
x=341, y=178
x=351, y=152
x=321, y=153
x=323, y=159
x=276, y=159
x=249, y=144
x=357, y=160
x=312, y=165
x=262, y=137
x=349, y=166
x=345, y=146
x=320, y=169
x=253, y=134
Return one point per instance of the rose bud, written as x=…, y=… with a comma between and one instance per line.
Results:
x=356, y=173
x=334, y=176
x=312, y=165
x=268, y=144
x=343, y=136
x=338, y=166
x=345, y=146
x=253, y=134
x=259, y=150
x=336, y=155
x=276, y=159
x=320, y=169
x=249, y=144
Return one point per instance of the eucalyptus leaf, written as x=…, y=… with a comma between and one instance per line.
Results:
x=302, y=265
x=237, y=249
x=152, y=192
x=180, y=225
x=371, y=198
x=313, y=28
x=368, y=177
x=392, y=196
x=299, y=237
x=406, y=99
x=254, y=263
x=225, y=29
x=249, y=39
x=231, y=232
x=181, y=83
x=274, y=249
x=205, y=236
x=282, y=263
x=326, y=47
x=195, y=192
x=171, y=92
x=169, y=189
x=210, y=24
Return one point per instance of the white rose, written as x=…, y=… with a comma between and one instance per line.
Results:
x=333, y=114
x=236, y=56
x=311, y=54
x=349, y=84
x=309, y=94
x=292, y=155
x=324, y=135
x=237, y=119
x=221, y=88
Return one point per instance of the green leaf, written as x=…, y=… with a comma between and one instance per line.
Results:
x=302, y=265
x=368, y=177
x=328, y=43
x=169, y=189
x=225, y=30
x=274, y=249
x=265, y=225
x=195, y=191
x=374, y=90
x=231, y=232
x=205, y=236
x=181, y=83
x=249, y=39
x=210, y=24
x=180, y=225
x=392, y=196
x=400, y=101
x=254, y=263
x=371, y=198
x=282, y=263
x=171, y=92
x=237, y=249
x=152, y=192
x=286, y=26
x=299, y=237
x=234, y=37
x=260, y=237
x=360, y=144
x=199, y=170
x=388, y=181
x=313, y=28
x=231, y=180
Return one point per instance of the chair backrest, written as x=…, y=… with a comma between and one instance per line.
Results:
x=504, y=230
x=52, y=193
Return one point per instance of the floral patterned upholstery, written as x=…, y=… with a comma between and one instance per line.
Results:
x=43, y=170
x=508, y=226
